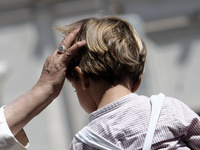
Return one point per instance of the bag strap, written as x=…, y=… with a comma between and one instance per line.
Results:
x=92, y=139
x=157, y=102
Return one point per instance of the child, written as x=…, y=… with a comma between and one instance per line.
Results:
x=106, y=73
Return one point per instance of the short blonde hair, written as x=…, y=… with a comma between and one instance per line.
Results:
x=113, y=49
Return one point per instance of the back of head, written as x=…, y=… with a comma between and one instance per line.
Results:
x=113, y=50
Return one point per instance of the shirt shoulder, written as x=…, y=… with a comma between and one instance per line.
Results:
x=181, y=111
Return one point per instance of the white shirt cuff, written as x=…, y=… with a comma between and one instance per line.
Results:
x=7, y=140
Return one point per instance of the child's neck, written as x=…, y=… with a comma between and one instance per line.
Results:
x=103, y=93
x=113, y=93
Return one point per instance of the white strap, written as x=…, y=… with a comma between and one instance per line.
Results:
x=92, y=139
x=157, y=102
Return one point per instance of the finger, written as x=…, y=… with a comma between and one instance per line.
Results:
x=61, y=49
x=70, y=38
x=72, y=51
x=74, y=48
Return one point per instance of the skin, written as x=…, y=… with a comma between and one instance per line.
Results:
x=20, y=111
x=93, y=95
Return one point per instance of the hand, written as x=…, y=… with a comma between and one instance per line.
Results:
x=55, y=66
x=30, y=104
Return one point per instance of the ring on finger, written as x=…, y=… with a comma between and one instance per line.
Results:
x=62, y=48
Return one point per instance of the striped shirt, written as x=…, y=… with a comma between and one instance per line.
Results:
x=124, y=122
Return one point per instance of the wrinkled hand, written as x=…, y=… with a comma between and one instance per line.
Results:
x=55, y=67
x=30, y=104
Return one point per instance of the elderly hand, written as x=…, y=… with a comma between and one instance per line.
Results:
x=28, y=105
x=55, y=67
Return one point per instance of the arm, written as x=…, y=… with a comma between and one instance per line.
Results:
x=20, y=111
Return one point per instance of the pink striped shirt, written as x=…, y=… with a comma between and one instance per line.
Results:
x=124, y=122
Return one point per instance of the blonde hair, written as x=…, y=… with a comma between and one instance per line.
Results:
x=113, y=49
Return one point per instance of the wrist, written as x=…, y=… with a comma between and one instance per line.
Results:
x=45, y=92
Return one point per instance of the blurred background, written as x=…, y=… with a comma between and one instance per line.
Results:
x=170, y=29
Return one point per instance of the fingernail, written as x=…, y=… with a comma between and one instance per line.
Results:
x=77, y=28
x=82, y=42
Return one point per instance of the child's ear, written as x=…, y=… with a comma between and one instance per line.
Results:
x=84, y=79
x=136, y=85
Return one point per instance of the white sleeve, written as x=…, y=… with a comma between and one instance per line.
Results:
x=7, y=140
